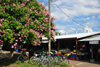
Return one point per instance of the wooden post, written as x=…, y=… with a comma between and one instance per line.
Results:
x=58, y=45
x=76, y=47
x=92, y=51
x=49, y=43
x=85, y=49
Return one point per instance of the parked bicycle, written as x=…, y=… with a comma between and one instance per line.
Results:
x=24, y=56
x=44, y=60
x=39, y=59
x=35, y=59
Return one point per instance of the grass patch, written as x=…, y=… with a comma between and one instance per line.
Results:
x=18, y=62
x=28, y=64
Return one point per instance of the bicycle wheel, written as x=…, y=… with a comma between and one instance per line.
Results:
x=37, y=61
x=64, y=57
x=55, y=60
x=59, y=60
x=51, y=61
x=33, y=60
x=20, y=58
x=44, y=62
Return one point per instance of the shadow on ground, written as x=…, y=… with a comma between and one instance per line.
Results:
x=6, y=60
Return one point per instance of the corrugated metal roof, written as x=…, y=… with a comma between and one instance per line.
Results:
x=79, y=35
x=93, y=38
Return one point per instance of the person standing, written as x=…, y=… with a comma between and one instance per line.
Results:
x=90, y=52
x=43, y=51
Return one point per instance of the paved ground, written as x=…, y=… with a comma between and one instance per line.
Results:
x=75, y=63
x=6, y=54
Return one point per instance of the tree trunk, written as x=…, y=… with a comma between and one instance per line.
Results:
x=11, y=53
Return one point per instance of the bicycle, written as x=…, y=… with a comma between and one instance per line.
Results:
x=35, y=59
x=58, y=58
x=42, y=59
x=39, y=59
x=24, y=56
x=52, y=60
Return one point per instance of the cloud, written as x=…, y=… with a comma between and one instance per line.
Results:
x=92, y=23
x=80, y=18
x=93, y=16
x=80, y=29
x=60, y=27
x=99, y=16
x=62, y=31
x=79, y=8
x=87, y=29
x=86, y=18
x=72, y=28
x=59, y=15
x=82, y=10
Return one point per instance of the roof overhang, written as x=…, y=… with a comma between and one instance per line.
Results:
x=93, y=38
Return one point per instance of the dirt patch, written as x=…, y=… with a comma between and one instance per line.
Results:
x=5, y=59
x=6, y=54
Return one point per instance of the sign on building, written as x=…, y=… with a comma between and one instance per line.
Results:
x=93, y=42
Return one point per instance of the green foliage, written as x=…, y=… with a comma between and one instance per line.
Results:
x=18, y=62
x=22, y=20
x=64, y=65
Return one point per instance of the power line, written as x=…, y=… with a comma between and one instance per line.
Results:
x=51, y=2
x=71, y=18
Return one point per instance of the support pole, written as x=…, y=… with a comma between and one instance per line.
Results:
x=49, y=44
x=92, y=51
x=49, y=40
x=58, y=45
x=76, y=47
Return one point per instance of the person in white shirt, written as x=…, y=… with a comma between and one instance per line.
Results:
x=90, y=50
x=56, y=52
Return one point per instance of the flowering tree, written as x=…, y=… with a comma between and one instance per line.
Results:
x=24, y=20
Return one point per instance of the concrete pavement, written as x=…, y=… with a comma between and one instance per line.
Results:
x=75, y=63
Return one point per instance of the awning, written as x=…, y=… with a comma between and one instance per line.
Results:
x=93, y=38
x=44, y=41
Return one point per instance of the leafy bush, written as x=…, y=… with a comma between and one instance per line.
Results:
x=24, y=20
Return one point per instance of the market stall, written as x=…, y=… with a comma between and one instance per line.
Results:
x=94, y=40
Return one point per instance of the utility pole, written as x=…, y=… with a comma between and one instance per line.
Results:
x=49, y=40
x=49, y=44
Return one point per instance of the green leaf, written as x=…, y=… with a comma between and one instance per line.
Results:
x=2, y=36
x=12, y=40
x=5, y=39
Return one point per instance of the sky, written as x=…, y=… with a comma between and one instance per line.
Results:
x=84, y=15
